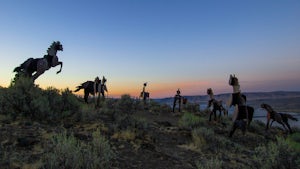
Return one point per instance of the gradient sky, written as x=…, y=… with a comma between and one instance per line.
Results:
x=171, y=44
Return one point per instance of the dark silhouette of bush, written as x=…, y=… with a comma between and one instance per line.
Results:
x=24, y=98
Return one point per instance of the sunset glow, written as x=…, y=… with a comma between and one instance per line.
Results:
x=172, y=44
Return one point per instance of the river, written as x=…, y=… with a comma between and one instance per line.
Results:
x=260, y=114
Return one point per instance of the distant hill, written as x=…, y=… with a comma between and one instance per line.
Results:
x=285, y=101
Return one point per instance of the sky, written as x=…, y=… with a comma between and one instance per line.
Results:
x=189, y=45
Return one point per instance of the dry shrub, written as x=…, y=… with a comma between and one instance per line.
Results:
x=68, y=152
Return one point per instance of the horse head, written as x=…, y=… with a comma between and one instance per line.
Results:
x=97, y=80
x=233, y=81
x=54, y=47
x=266, y=107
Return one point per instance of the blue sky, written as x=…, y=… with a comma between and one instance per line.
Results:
x=171, y=44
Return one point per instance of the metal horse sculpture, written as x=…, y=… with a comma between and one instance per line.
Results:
x=243, y=114
x=93, y=87
x=281, y=118
x=40, y=65
x=217, y=106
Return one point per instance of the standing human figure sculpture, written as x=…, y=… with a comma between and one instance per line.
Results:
x=243, y=114
x=40, y=65
x=144, y=95
x=177, y=98
x=103, y=88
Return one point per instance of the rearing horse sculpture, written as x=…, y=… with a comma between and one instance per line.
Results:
x=40, y=65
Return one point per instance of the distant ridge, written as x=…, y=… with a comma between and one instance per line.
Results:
x=250, y=95
x=280, y=100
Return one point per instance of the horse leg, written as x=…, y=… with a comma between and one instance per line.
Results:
x=174, y=105
x=267, y=126
x=233, y=129
x=37, y=74
x=210, y=115
x=282, y=125
x=243, y=126
x=220, y=114
x=287, y=124
x=86, y=96
x=61, y=64
x=215, y=114
x=271, y=123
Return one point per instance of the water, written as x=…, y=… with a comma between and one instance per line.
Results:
x=261, y=115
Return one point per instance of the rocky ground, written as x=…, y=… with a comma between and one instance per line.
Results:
x=160, y=143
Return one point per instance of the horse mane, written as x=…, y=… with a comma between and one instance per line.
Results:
x=52, y=49
x=267, y=107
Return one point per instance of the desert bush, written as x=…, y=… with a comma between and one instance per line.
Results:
x=70, y=103
x=125, y=104
x=24, y=98
x=98, y=153
x=212, y=163
x=68, y=152
x=206, y=138
x=257, y=126
x=108, y=106
x=156, y=107
x=192, y=107
x=276, y=154
x=294, y=141
x=189, y=120
x=21, y=98
x=65, y=153
x=122, y=113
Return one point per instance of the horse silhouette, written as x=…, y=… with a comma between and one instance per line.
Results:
x=93, y=87
x=281, y=118
x=217, y=106
x=40, y=65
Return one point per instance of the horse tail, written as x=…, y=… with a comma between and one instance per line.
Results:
x=78, y=88
x=17, y=69
x=24, y=65
x=291, y=117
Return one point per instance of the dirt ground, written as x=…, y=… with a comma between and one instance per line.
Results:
x=161, y=145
